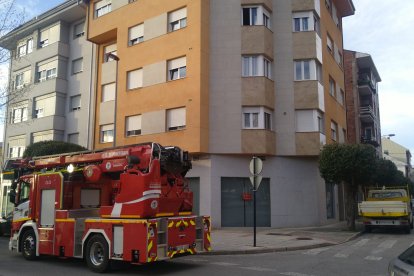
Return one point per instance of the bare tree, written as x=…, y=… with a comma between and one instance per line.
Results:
x=10, y=18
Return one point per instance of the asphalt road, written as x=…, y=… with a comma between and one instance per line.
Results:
x=367, y=255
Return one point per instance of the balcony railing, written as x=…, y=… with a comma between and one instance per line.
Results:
x=367, y=114
x=369, y=140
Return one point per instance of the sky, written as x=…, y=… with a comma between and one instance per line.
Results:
x=381, y=28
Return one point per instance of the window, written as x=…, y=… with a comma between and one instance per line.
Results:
x=79, y=30
x=44, y=105
x=21, y=50
x=16, y=146
x=301, y=24
x=16, y=152
x=133, y=125
x=25, y=47
x=42, y=136
x=332, y=86
x=46, y=71
x=18, y=114
x=30, y=45
x=19, y=81
x=257, y=118
x=341, y=97
x=302, y=70
x=134, y=79
x=107, y=133
x=255, y=15
x=177, y=68
x=73, y=138
x=176, y=119
x=49, y=36
x=334, y=131
x=267, y=121
x=177, y=20
x=329, y=44
x=256, y=65
x=103, y=7
x=75, y=103
x=110, y=49
x=77, y=65
x=267, y=68
x=108, y=92
x=136, y=34
x=321, y=123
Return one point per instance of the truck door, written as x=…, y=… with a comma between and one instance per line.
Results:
x=50, y=200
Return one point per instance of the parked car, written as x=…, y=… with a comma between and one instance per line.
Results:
x=403, y=264
x=5, y=224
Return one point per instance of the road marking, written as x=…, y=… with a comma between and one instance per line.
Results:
x=224, y=264
x=256, y=268
x=387, y=244
x=348, y=251
x=294, y=274
x=373, y=258
x=315, y=251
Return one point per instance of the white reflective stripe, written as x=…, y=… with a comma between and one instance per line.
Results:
x=143, y=198
x=116, y=211
x=151, y=192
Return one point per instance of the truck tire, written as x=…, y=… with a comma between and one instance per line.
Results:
x=407, y=229
x=29, y=245
x=411, y=224
x=368, y=228
x=97, y=254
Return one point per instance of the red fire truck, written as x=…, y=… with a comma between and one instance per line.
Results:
x=130, y=204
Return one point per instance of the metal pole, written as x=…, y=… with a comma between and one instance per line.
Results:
x=254, y=211
x=254, y=201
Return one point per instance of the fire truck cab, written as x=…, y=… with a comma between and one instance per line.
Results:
x=130, y=204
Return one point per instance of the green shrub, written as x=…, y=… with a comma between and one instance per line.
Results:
x=50, y=148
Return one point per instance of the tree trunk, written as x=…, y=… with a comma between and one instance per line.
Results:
x=351, y=207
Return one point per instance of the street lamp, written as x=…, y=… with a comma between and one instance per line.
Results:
x=108, y=57
x=388, y=136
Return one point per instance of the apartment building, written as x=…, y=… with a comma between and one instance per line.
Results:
x=398, y=154
x=362, y=104
x=51, y=77
x=228, y=80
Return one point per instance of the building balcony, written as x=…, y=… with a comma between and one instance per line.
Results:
x=258, y=91
x=309, y=95
x=257, y=39
x=258, y=141
x=307, y=45
x=309, y=143
x=300, y=5
x=365, y=85
x=367, y=114
x=370, y=140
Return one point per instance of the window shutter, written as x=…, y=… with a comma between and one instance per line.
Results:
x=176, y=117
x=108, y=92
x=110, y=48
x=75, y=102
x=134, y=79
x=177, y=15
x=107, y=127
x=133, y=123
x=136, y=31
x=77, y=65
x=102, y=3
x=44, y=35
x=79, y=28
x=177, y=63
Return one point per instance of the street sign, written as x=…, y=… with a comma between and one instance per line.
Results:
x=256, y=166
x=256, y=180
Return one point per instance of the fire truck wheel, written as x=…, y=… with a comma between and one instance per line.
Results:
x=29, y=245
x=97, y=254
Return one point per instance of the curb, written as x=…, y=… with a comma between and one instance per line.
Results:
x=279, y=249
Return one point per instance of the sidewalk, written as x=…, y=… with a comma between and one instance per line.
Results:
x=240, y=240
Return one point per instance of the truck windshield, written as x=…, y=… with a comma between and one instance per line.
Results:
x=387, y=194
x=24, y=191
